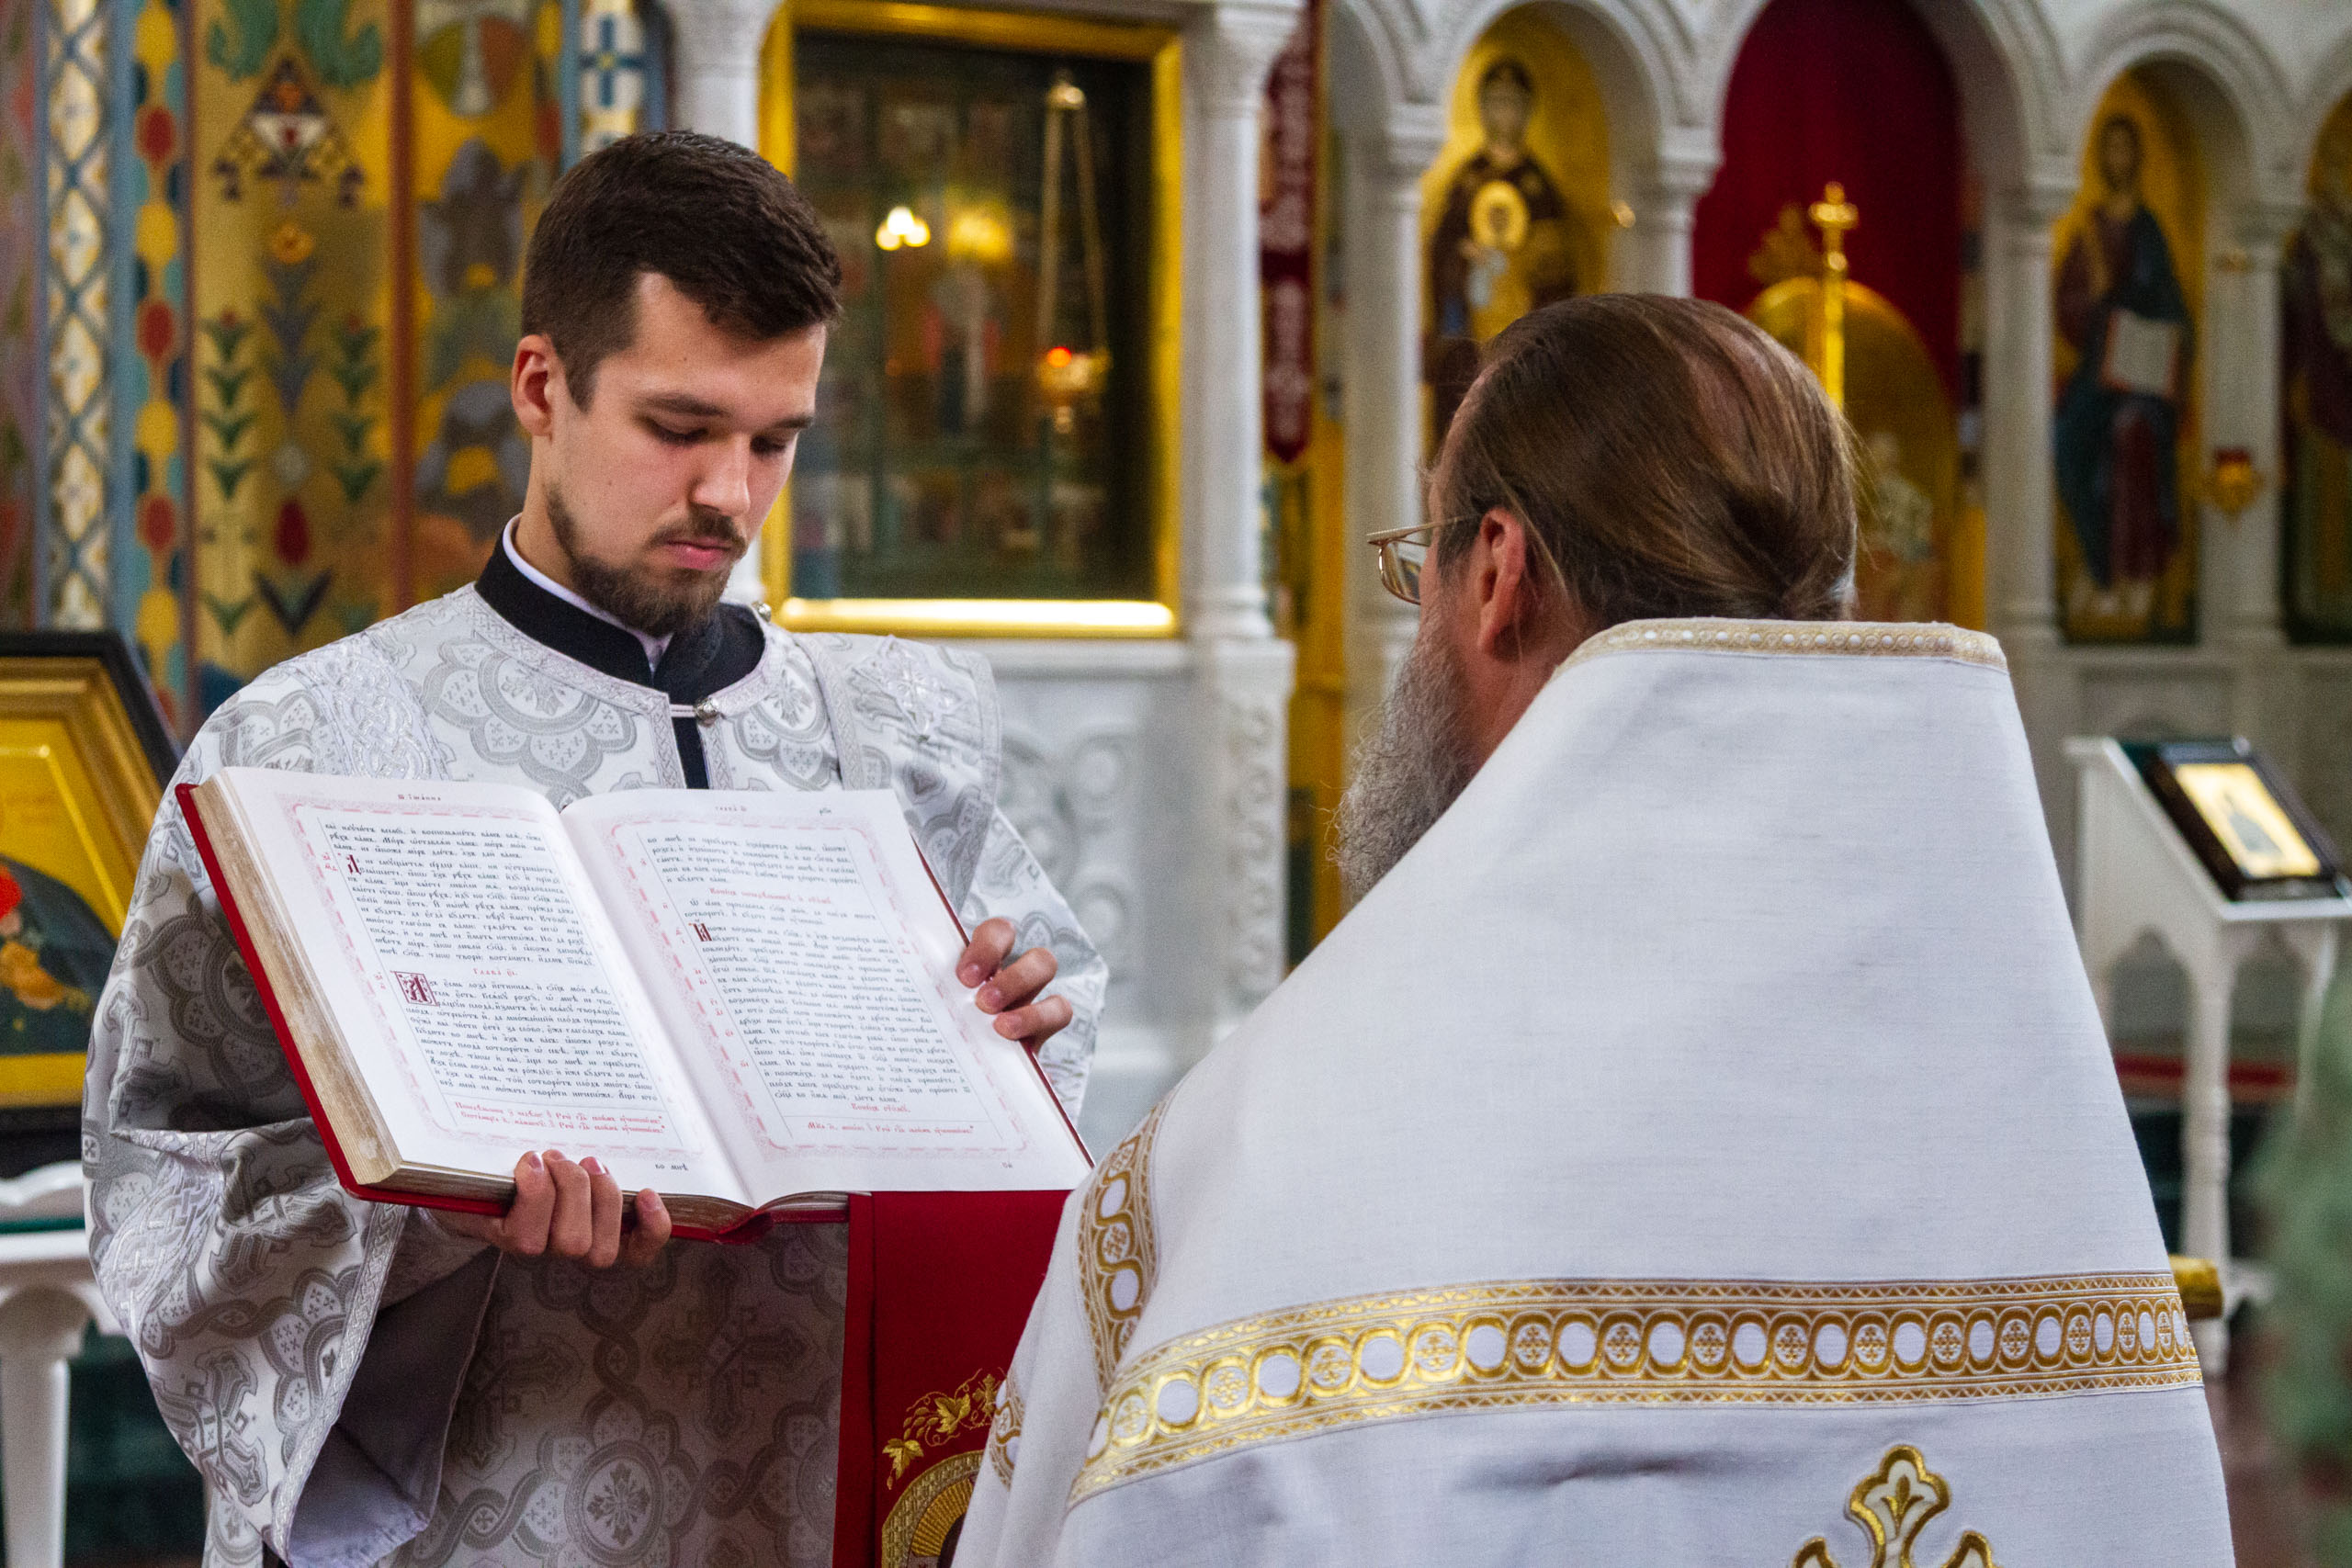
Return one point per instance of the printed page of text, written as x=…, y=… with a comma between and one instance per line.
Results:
x=504, y=1015
x=799, y=940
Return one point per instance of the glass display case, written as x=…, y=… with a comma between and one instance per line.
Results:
x=993, y=450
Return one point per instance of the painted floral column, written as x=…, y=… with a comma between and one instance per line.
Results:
x=149, y=588
x=294, y=306
x=22, y=355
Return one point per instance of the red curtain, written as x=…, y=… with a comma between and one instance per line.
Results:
x=1856, y=91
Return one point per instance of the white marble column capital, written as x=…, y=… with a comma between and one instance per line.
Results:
x=1395, y=156
x=2263, y=227
x=1678, y=178
x=1230, y=46
x=1665, y=199
x=2025, y=212
x=719, y=35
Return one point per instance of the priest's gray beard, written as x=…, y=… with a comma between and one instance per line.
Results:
x=1410, y=771
x=655, y=601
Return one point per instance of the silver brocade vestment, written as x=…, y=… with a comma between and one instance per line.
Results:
x=354, y=1383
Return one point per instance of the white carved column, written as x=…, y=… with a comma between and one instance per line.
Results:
x=2019, y=506
x=1384, y=408
x=718, y=92
x=2241, y=582
x=1659, y=243
x=1245, y=672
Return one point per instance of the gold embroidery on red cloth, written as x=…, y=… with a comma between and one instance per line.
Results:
x=917, y=1529
x=1521, y=1343
x=1118, y=1256
x=936, y=1419
x=1892, y=1507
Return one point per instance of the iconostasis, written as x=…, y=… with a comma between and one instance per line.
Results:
x=1859, y=95
x=259, y=283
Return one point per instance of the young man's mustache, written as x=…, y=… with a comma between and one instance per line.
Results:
x=708, y=529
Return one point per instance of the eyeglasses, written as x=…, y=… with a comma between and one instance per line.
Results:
x=1402, y=553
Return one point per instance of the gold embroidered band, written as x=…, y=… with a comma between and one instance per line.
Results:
x=1517, y=1344
x=1118, y=1255
x=1869, y=639
x=1004, y=1433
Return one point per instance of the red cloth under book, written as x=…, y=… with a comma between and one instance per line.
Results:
x=940, y=1286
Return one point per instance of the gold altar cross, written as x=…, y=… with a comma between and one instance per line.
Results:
x=1833, y=215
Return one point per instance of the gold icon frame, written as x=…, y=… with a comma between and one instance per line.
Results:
x=1159, y=616
x=83, y=757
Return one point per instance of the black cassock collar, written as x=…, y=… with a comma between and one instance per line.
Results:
x=709, y=655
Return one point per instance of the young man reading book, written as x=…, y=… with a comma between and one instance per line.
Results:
x=359, y=1381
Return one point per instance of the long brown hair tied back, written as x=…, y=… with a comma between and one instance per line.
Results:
x=1671, y=457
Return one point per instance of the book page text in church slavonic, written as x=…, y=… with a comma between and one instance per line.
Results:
x=482, y=953
x=820, y=988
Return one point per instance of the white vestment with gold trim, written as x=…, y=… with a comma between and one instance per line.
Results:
x=1701, y=1149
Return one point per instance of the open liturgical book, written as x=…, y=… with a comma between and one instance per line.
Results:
x=745, y=1001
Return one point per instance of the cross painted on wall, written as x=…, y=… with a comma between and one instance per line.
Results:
x=614, y=62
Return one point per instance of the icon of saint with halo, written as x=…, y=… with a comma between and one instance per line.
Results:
x=1502, y=246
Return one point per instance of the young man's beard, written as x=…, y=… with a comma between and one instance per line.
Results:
x=655, y=601
x=1408, y=773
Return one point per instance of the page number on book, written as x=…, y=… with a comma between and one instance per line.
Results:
x=415, y=989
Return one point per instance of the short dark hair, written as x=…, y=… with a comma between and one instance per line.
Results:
x=1671, y=456
x=716, y=220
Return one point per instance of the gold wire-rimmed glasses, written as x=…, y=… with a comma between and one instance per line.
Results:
x=1402, y=553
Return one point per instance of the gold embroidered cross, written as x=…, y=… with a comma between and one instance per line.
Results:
x=1893, y=1506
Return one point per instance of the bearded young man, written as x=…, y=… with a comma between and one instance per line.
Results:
x=1698, y=1145
x=363, y=1382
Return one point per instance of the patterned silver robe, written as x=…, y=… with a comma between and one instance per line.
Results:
x=356, y=1383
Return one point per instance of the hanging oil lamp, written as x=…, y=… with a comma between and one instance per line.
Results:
x=1069, y=374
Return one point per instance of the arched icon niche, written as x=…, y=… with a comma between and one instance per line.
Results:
x=1516, y=209
x=2129, y=297
x=1858, y=94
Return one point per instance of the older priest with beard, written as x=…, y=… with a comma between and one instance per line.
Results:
x=1700, y=1146
x=363, y=1382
